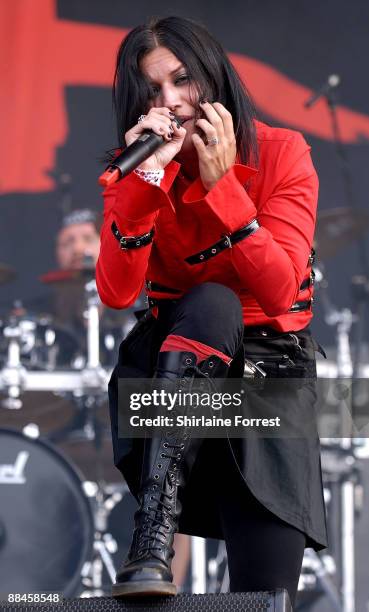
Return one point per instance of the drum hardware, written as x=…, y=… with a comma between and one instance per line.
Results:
x=24, y=380
x=14, y=372
x=317, y=573
x=104, y=499
x=84, y=424
x=343, y=321
x=93, y=338
x=31, y=430
x=339, y=455
x=316, y=577
x=345, y=227
x=15, y=377
x=87, y=387
x=218, y=571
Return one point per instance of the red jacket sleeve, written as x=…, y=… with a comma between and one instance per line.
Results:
x=271, y=263
x=133, y=204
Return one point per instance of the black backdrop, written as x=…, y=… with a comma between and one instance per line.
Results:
x=304, y=40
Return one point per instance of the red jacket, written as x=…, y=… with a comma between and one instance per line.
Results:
x=265, y=269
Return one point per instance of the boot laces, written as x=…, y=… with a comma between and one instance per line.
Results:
x=157, y=518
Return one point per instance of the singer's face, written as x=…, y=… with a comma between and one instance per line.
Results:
x=172, y=88
x=74, y=242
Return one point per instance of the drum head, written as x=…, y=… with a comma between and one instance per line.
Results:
x=46, y=526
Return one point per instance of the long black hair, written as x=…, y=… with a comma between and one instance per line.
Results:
x=207, y=65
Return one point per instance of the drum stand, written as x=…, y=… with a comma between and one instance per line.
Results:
x=343, y=320
x=104, y=497
x=218, y=583
x=104, y=500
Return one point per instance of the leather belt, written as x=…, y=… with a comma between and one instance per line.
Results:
x=225, y=243
x=158, y=288
x=296, y=307
x=132, y=242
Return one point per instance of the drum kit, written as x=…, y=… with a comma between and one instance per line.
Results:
x=61, y=503
x=57, y=478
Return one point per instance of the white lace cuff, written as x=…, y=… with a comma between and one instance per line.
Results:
x=154, y=177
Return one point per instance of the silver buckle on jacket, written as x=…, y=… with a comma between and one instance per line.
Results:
x=227, y=241
x=251, y=370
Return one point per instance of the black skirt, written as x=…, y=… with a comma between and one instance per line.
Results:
x=284, y=474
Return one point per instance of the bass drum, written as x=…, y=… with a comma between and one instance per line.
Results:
x=46, y=524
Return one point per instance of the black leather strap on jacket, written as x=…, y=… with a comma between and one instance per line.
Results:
x=307, y=282
x=151, y=286
x=311, y=257
x=225, y=243
x=300, y=306
x=132, y=242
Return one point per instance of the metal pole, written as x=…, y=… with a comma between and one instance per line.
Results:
x=198, y=564
x=93, y=341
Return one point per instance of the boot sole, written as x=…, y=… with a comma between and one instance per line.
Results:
x=143, y=588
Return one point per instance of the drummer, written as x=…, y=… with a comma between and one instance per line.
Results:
x=78, y=239
x=76, y=250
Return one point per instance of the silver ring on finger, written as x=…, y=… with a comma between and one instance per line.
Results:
x=141, y=118
x=212, y=142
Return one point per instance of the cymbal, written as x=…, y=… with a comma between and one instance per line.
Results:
x=7, y=273
x=60, y=277
x=337, y=228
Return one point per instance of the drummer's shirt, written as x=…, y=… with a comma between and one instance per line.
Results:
x=265, y=269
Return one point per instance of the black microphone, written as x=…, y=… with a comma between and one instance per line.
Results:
x=137, y=152
x=332, y=82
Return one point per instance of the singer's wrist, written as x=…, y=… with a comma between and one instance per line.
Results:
x=154, y=177
x=149, y=167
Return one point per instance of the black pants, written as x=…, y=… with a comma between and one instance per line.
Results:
x=264, y=552
x=209, y=313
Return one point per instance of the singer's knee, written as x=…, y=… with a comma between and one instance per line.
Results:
x=215, y=314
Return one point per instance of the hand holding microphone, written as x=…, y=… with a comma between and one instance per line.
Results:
x=151, y=144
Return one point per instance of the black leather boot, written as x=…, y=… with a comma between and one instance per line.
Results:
x=167, y=463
